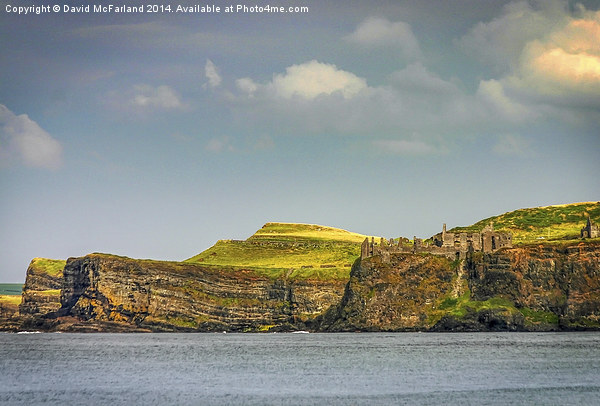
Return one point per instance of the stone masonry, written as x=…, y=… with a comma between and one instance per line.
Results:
x=451, y=245
x=590, y=230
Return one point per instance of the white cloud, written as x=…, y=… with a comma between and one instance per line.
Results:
x=305, y=81
x=145, y=98
x=212, y=74
x=247, y=86
x=23, y=139
x=161, y=97
x=414, y=101
x=376, y=31
x=312, y=79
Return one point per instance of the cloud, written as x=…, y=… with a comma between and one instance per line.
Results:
x=212, y=74
x=416, y=79
x=161, y=97
x=23, y=139
x=378, y=32
x=492, y=93
x=566, y=62
x=247, y=86
x=414, y=100
x=500, y=41
x=307, y=81
x=549, y=59
x=145, y=98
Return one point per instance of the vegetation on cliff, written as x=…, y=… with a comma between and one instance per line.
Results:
x=296, y=251
x=549, y=223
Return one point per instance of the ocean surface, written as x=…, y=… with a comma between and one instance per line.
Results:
x=11, y=289
x=300, y=369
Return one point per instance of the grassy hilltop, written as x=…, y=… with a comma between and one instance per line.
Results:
x=308, y=251
x=537, y=224
x=303, y=251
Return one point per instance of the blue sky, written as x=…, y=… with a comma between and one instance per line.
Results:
x=154, y=135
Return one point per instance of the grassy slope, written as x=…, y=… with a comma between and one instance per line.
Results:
x=52, y=267
x=558, y=223
x=549, y=223
x=296, y=250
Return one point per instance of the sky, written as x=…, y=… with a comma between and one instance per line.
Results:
x=153, y=135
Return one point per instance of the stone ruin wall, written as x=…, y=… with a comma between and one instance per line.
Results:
x=451, y=245
x=590, y=230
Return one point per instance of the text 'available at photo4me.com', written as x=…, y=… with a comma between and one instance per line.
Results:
x=103, y=8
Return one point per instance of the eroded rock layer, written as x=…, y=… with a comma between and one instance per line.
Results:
x=174, y=296
x=41, y=293
x=529, y=288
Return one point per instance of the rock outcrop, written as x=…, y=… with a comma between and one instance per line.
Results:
x=529, y=288
x=175, y=296
x=394, y=293
x=552, y=279
x=41, y=293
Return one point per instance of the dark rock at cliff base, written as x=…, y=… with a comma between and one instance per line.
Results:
x=483, y=320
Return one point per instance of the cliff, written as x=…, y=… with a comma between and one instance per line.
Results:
x=396, y=293
x=41, y=293
x=175, y=296
x=552, y=285
x=301, y=276
x=530, y=288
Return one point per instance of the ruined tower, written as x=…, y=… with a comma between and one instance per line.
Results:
x=590, y=230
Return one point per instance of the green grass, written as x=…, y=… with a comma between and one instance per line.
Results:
x=533, y=317
x=11, y=289
x=52, y=267
x=542, y=224
x=297, y=251
x=310, y=232
x=460, y=306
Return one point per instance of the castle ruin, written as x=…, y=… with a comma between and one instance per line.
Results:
x=590, y=230
x=451, y=245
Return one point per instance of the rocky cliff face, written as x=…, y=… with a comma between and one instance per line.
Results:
x=171, y=296
x=395, y=293
x=559, y=280
x=41, y=293
x=529, y=288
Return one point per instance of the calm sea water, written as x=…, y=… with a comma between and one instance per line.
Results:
x=304, y=369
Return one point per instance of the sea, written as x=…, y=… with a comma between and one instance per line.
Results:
x=300, y=369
